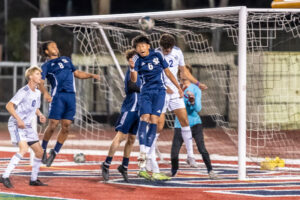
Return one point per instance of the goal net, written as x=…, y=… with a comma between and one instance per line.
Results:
x=209, y=39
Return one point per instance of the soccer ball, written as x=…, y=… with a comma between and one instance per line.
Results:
x=146, y=23
x=79, y=158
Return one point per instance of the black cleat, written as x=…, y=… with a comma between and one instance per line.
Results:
x=124, y=173
x=50, y=158
x=6, y=182
x=105, y=172
x=37, y=183
x=44, y=158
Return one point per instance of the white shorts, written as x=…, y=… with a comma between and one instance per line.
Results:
x=27, y=134
x=173, y=102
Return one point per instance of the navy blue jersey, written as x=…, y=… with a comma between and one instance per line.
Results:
x=130, y=102
x=150, y=69
x=59, y=72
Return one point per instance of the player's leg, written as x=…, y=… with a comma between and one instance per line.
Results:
x=176, y=145
x=62, y=136
x=38, y=153
x=181, y=114
x=23, y=148
x=112, y=149
x=197, y=132
x=57, y=108
x=160, y=127
x=123, y=168
x=142, y=133
x=47, y=135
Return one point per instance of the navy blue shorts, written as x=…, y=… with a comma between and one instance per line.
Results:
x=63, y=106
x=152, y=101
x=128, y=122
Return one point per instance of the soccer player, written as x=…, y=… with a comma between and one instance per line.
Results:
x=23, y=107
x=127, y=123
x=60, y=72
x=150, y=65
x=192, y=100
x=173, y=102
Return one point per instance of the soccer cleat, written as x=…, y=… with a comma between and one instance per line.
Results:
x=37, y=183
x=142, y=160
x=173, y=172
x=6, y=182
x=44, y=158
x=144, y=174
x=124, y=173
x=191, y=162
x=50, y=158
x=212, y=175
x=160, y=177
x=105, y=172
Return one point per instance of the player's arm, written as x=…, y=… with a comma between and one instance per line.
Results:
x=194, y=100
x=85, y=75
x=133, y=67
x=10, y=107
x=173, y=80
x=43, y=90
x=132, y=87
x=192, y=78
x=40, y=115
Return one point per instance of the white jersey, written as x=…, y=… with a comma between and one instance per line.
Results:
x=26, y=102
x=174, y=58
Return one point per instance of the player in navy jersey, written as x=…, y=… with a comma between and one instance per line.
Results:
x=127, y=123
x=150, y=65
x=60, y=72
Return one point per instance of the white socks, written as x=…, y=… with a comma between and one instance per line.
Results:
x=35, y=168
x=188, y=140
x=12, y=164
x=152, y=156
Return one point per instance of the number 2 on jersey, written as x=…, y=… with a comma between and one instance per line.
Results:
x=170, y=63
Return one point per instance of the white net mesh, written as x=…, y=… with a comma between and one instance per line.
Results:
x=210, y=46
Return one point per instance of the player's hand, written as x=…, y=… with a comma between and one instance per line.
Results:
x=169, y=90
x=131, y=63
x=180, y=92
x=47, y=97
x=42, y=118
x=20, y=124
x=96, y=76
x=191, y=97
x=202, y=86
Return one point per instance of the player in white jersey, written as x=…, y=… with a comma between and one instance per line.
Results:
x=23, y=107
x=174, y=56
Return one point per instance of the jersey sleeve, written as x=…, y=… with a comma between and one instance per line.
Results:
x=44, y=70
x=162, y=60
x=198, y=95
x=73, y=68
x=181, y=58
x=19, y=96
x=136, y=62
x=39, y=100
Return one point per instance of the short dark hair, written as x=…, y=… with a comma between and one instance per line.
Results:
x=140, y=39
x=130, y=53
x=44, y=47
x=167, y=41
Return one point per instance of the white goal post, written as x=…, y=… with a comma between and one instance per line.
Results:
x=241, y=35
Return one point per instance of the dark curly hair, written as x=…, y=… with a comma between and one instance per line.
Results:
x=167, y=41
x=44, y=47
x=130, y=53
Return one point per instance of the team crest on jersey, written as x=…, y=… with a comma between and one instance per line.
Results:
x=33, y=103
x=155, y=61
x=52, y=64
x=143, y=63
x=64, y=60
x=176, y=57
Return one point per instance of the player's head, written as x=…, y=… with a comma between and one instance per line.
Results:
x=141, y=44
x=49, y=49
x=33, y=73
x=130, y=53
x=167, y=42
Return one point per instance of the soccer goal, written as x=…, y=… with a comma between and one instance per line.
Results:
x=248, y=58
